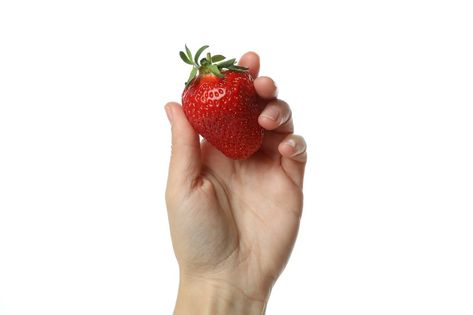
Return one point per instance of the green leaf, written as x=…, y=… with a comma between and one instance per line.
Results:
x=199, y=52
x=184, y=58
x=240, y=67
x=189, y=54
x=226, y=64
x=192, y=75
x=214, y=69
x=204, y=62
x=237, y=68
x=217, y=58
x=209, y=58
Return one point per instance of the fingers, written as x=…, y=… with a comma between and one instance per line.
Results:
x=185, y=162
x=294, y=157
x=294, y=147
x=277, y=116
x=266, y=88
x=251, y=61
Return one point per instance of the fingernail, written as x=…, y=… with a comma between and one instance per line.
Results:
x=168, y=110
x=271, y=114
x=291, y=143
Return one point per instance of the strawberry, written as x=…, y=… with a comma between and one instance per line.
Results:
x=221, y=103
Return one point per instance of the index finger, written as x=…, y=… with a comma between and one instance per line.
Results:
x=251, y=61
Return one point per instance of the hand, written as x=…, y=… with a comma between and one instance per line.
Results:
x=234, y=223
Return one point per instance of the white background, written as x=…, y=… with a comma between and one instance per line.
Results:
x=382, y=91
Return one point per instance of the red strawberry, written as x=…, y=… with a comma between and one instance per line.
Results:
x=221, y=104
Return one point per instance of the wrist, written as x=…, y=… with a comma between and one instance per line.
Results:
x=200, y=296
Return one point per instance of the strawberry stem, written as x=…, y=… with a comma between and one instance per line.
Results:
x=212, y=65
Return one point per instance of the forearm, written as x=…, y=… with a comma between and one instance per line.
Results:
x=204, y=297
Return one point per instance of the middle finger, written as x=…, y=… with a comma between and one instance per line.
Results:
x=277, y=116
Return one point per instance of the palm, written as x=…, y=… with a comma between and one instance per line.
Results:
x=256, y=205
x=256, y=194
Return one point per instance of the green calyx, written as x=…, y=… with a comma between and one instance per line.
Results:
x=208, y=65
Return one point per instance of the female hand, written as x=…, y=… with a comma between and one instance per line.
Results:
x=234, y=223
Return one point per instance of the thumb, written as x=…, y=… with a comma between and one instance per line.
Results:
x=185, y=162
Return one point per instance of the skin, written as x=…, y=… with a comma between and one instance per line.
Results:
x=234, y=223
